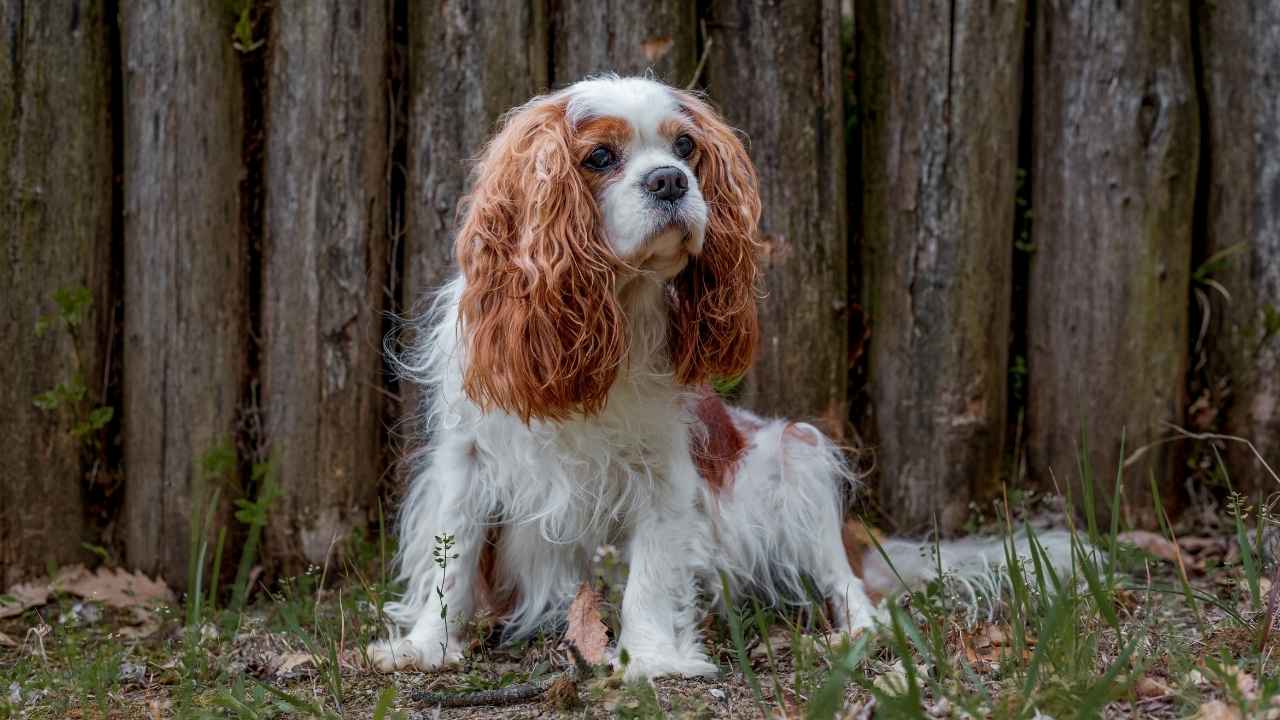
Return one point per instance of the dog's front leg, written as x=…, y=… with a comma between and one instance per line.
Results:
x=440, y=559
x=659, y=631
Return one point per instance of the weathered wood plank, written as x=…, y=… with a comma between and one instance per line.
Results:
x=469, y=62
x=940, y=100
x=1240, y=51
x=184, y=276
x=324, y=268
x=628, y=38
x=1113, y=179
x=55, y=225
x=774, y=70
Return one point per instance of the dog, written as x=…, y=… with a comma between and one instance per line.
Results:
x=608, y=274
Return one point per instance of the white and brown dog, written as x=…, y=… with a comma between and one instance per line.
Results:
x=608, y=258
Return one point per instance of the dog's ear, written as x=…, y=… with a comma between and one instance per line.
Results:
x=545, y=336
x=715, y=327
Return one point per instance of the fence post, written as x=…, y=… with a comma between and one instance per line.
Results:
x=1113, y=180
x=774, y=71
x=627, y=38
x=468, y=64
x=184, y=269
x=55, y=227
x=1240, y=49
x=324, y=270
x=939, y=102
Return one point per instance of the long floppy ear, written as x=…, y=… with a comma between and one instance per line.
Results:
x=544, y=334
x=715, y=327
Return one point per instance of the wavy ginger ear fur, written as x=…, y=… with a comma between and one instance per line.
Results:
x=545, y=336
x=715, y=327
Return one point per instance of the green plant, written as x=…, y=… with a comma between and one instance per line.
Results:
x=70, y=396
x=242, y=35
x=442, y=553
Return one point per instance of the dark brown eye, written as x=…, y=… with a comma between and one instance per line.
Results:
x=600, y=159
x=682, y=147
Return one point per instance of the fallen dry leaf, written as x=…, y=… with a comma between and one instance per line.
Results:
x=586, y=629
x=19, y=598
x=778, y=641
x=656, y=48
x=7, y=641
x=894, y=680
x=288, y=662
x=1152, y=543
x=1149, y=687
x=117, y=588
x=1217, y=710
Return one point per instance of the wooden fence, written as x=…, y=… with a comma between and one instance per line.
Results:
x=993, y=230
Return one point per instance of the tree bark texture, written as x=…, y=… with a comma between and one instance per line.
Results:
x=185, y=269
x=628, y=38
x=55, y=225
x=774, y=71
x=941, y=94
x=1113, y=181
x=325, y=262
x=1240, y=51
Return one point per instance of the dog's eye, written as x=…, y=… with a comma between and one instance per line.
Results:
x=682, y=147
x=600, y=159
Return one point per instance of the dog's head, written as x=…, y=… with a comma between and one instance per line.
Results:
x=579, y=192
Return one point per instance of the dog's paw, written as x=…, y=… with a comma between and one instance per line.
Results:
x=405, y=654
x=642, y=667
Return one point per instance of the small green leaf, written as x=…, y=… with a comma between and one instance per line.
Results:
x=99, y=418
x=73, y=303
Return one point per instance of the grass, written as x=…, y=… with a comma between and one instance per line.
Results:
x=1132, y=636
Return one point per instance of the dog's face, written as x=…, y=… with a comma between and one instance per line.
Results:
x=579, y=192
x=639, y=153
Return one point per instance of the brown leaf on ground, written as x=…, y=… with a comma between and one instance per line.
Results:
x=777, y=642
x=1149, y=687
x=7, y=641
x=586, y=629
x=1151, y=543
x=21, y=597
x=117, y=588
x=288, y=662
x=1217, y=710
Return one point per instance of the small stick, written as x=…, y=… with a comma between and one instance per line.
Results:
x=512, y=694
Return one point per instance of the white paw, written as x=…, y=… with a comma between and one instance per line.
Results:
x=394, y=655
x=648, y=665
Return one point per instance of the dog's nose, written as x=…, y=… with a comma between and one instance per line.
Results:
x=666, y=183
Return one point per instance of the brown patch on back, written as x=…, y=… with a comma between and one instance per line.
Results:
x=717, y=451
x=857, y=541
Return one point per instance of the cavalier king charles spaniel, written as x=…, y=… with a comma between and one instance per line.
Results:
x=608, y=254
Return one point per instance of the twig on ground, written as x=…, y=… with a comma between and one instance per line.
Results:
x=511, y=694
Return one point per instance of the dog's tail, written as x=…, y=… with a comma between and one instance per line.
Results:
x=977, y=568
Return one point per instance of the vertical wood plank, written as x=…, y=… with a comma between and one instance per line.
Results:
x=1240, y=51
x=55, y=227
x=469, y=62
x=774, y=71
x=324, y=260
x=1113, y=179
x=185, y=275
x=627, y=38
x=940, y=105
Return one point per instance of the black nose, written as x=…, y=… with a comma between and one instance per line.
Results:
x=666, y=183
